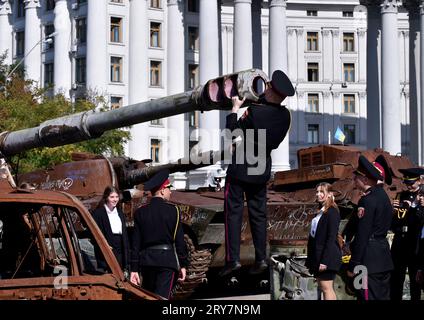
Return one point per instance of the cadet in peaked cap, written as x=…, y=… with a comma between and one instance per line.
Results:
x=158, y=182
x=158, y=249
x=411, y=175
x=248, y=174
x=382, y=166
x=367, y=169
x=406, y=227
x=370, y=247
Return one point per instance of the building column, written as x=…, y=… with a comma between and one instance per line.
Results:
x=5, y=31
x=97, y=59
x=301, y=64
x=242, y=48
x=292, y=54
x=421, y=154
x=257, y=34
x=362, y=119
x=278, y=61
x=414, y=83
x=327, y=110
x=336, y=56
x=373, y=78
x=362, y=56
x=301, y=109
x=390, y=84
x=62, y=61
x=175, y=68
x=209, y=121
x=139, y=145
x=32, y=53
x=327, y=54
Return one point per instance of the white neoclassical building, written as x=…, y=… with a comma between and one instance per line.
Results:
x=356, y=65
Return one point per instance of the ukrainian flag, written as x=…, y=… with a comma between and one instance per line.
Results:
x=339, y=135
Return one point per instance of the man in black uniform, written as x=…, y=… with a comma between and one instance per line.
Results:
x=419, y=258
x=370, y=247
x=405, y=225
x=159, y=250
x=248, y=173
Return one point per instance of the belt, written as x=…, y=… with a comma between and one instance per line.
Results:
x=160, y=247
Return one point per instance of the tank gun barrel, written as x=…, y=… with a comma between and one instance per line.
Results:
x=136, y=176
x=214, y=95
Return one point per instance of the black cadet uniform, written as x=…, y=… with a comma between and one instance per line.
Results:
x=386, y=172
x=157, y=228
x=246, y=177
x=406, y=229
x=370, y=247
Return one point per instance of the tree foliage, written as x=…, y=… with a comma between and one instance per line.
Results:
x=23, y=105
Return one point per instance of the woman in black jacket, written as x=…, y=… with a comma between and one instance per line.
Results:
x=111, y=222
x=324, y=254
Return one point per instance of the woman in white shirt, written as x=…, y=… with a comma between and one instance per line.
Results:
x=324, y=254
x=111, y=222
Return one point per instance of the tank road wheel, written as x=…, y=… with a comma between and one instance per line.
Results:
x=196, y=271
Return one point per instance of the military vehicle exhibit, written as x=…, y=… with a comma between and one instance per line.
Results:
x=52, y=228
x=48, y=237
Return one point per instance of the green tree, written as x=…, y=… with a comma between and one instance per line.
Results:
x=22, y=105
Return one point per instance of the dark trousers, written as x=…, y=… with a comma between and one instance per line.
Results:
x=158, y=280
x=402, y=260
x=233, y=208
x=117, y=248
x=378, y=287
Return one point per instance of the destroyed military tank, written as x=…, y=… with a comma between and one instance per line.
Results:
x=47, y=237
x=86, y=177
x=291, y=206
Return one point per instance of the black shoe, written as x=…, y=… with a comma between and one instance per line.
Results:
x=229, y=268
x=258, y=267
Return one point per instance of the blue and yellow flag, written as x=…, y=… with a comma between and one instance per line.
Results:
x=339, y=135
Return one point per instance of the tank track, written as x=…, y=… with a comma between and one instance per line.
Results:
x=200, y=260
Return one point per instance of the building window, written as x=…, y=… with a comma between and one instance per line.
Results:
x=313, y=133
x=193, y=76
x=115, y=29
x=312, y=41
x=48, y=74
x=115, y=69
x=81, y=30
x=48, y=30
x=155, y=4
x=349, y=72
x=348, y=42
x=20, y=9
x=348, y=14
x=155, y=73
x=115, y=102
x=349, y=131
x=193, y=38
x=349, y=103
x=193, y=5
x=313, y=72
x=155, y=150
x=155, y=34
x=311, y=13
x=313, y=102
x=20, y=43
x=80, y=72
x=117, y=1
x=50, y=5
